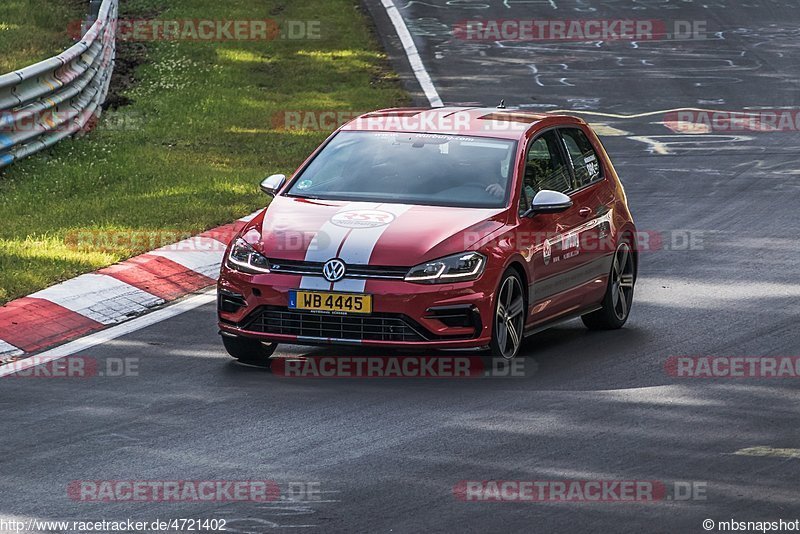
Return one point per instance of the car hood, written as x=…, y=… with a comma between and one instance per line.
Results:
x=368, y=232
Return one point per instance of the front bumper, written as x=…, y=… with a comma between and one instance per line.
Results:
x=404, y=314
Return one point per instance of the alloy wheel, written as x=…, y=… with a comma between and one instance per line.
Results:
x=510, y=317
x=622, y=275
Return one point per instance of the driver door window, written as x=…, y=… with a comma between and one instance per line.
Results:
x=545, y=168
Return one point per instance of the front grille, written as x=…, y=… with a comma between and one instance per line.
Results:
x=377, y=327
x=314, y=268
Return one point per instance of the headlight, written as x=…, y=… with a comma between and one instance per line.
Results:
x=244, y=258
x=457, y=268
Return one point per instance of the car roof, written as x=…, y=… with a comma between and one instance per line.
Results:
x=472, y=121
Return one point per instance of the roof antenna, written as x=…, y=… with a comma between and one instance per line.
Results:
x=502, y=104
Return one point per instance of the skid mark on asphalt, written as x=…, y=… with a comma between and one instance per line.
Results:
x=285, y=513
x=765, y=451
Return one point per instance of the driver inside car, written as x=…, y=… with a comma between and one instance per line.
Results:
x=490, y=173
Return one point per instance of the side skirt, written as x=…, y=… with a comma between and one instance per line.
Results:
x=558, y=320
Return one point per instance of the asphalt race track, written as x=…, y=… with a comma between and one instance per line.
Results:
x=386, y=453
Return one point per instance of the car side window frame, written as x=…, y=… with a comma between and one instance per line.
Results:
x=526, y=202
x=571, y=164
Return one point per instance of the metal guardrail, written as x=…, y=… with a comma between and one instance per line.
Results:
x=42, y=104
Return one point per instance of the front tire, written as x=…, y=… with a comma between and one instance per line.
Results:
x=509, y=317
x=617, y=302
x=248, y=350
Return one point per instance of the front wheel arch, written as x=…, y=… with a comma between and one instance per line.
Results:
x=628, y=234
x=629, y=237
x=517, y=266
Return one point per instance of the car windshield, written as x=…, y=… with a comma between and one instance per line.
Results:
x=410, y=168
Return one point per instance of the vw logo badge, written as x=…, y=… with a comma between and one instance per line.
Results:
x=333, y=270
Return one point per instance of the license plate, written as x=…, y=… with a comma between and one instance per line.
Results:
x=330, y=302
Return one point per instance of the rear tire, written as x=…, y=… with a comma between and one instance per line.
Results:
x=617, y=302
x=248, y=350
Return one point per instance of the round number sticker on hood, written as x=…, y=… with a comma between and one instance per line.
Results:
x=362, y=219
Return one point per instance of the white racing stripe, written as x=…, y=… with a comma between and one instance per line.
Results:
x=361, y=242
x=248, y=218
x=326, y=243
x=358, y=248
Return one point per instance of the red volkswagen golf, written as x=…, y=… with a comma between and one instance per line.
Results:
x=434, y=228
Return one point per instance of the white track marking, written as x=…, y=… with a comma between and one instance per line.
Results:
x=109, y=334
x=109, y=301
x=7, y=349
x=99, y=297
x=199, y=254
x=630, y=116
x=412, y=53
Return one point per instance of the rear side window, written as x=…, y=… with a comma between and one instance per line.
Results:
x=583, y=156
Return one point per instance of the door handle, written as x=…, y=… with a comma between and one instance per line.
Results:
x=585, y=212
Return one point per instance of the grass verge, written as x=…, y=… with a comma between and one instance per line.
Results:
x=33, y=30
x=196, y=135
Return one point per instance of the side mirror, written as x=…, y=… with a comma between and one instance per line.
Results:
x=272, y=184
x=547, y=201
